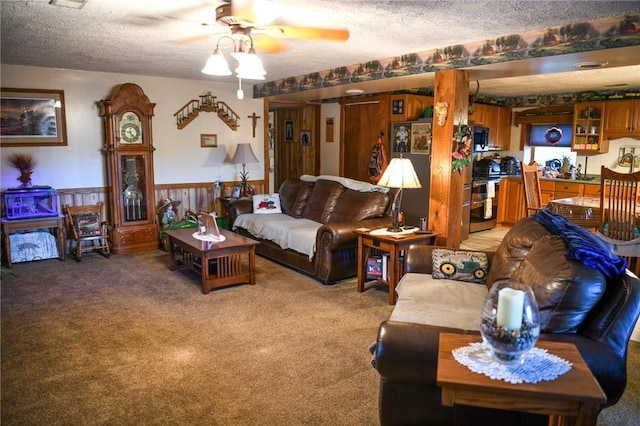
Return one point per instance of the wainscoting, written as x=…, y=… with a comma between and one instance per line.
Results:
x=192, y=196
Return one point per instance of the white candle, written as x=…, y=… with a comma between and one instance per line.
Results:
x=510, y=305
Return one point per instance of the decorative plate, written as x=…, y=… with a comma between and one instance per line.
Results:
x=553, y=135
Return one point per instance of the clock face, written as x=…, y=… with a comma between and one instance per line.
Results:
x=130, y=128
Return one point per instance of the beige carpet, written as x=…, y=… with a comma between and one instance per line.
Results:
x=125, y=341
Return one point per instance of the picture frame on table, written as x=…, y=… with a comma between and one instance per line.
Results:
x=208, y=141
x=421, y=138
x=32, y=117
x=401, y=136
x=235, y=192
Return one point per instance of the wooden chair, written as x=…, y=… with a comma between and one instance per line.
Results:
x=88, y=229
x=531, y=184
x=619, y=219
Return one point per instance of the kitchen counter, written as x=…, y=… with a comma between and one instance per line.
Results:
x=594, y=181
x=511, y=196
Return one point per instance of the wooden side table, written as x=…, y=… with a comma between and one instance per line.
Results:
x=392, y=243
x=56, y=223
x=572, y=399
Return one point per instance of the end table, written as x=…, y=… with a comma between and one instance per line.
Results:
x=572, y=399
x=392, y=243
x=56, y=223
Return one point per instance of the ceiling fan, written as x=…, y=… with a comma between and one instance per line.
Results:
x=260, y=19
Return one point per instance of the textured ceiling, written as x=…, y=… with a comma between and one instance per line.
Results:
x=149, y=37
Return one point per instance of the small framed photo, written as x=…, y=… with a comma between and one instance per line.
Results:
x=208, y=141
x=288, y=130
x=329, y=129
x=421, y=138
x=401, y=136
x=397, y=106
x=305, y=137
x=235, y=193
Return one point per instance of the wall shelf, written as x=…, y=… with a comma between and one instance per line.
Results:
x=207, y=103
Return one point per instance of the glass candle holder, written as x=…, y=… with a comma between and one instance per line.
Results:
x=510, y=321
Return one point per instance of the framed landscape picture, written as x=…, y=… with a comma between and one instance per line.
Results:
x=421, y=138
x=32, y=117
x=208, y=141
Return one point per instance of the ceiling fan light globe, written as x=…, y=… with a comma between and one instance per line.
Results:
x=251, y=65
x=216, y=65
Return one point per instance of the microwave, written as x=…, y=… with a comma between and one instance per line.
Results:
x=480, y=139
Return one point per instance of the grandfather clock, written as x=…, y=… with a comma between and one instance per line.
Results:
x=128, y=148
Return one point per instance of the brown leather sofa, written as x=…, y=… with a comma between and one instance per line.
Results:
x=338, y=208
x=599, y=319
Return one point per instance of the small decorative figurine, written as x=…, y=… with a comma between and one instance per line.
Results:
x=441, y=109
x=25, y=164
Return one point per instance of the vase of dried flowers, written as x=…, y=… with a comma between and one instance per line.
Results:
x=25, y=164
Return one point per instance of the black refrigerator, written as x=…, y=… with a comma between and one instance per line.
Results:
x=415, y=202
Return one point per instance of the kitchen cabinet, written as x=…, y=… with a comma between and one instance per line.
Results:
x=408, y=107
x=478, y=115
x=588, y=129
x=567, y=190
x=593, y=190
x=498, y=120
x=547, y=190
x=503, y=141
x=511, y=201
x=622, y=119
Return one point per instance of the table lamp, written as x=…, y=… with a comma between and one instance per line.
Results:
x=243, y=155
x=399, y=174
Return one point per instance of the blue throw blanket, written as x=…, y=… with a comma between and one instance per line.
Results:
x=584, y=246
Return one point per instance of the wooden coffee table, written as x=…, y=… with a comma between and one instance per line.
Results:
x=219, y=264
x=573, y=398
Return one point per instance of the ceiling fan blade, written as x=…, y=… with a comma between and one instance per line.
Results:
x=337, y=34
x=258, y=12
x=266, y=44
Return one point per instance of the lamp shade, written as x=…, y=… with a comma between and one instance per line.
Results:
x=400, y=174
x=244, y=154
x=216, y=65
x=250, y=66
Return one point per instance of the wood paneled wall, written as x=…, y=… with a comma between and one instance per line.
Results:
x=292, y=159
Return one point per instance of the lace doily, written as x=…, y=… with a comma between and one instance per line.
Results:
x=209, y=237
x=539, y=365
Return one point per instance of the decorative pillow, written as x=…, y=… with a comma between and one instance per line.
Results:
x=466, y=266
x=88, y=224
x=266, y=203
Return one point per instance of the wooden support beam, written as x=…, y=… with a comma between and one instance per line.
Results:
x=445, y=196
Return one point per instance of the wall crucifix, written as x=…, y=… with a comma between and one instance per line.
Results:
x=254, y=121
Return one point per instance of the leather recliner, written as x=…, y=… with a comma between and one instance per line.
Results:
x=405, y=354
